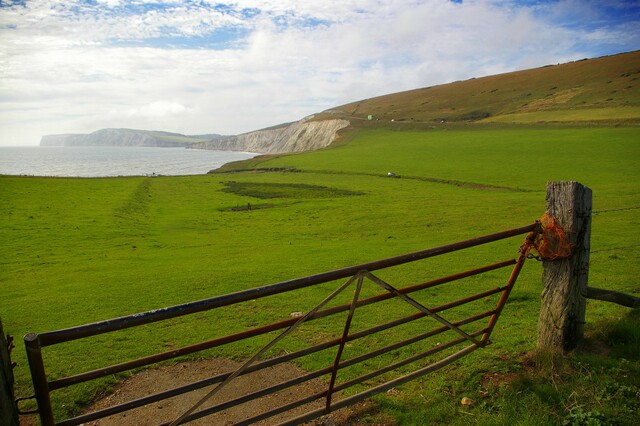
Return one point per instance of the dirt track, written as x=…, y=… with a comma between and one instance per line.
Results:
x=166, y=377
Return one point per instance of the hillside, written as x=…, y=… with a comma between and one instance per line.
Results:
x=124, y=137
x=596, y=90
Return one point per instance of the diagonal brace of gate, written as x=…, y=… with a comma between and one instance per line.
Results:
x=422, y=308
x=269, y=345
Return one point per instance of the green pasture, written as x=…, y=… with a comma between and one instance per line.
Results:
x=76, y=251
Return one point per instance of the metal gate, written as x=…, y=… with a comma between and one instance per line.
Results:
x=456, y=337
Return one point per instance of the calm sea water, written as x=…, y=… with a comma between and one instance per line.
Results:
x=112, y=161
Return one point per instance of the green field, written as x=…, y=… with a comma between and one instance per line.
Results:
x=82, y=250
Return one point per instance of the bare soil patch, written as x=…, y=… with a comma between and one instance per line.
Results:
x=170, y=376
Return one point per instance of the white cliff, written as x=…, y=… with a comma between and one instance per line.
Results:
x=303, y=135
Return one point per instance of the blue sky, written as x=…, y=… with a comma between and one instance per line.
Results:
x=71, y=66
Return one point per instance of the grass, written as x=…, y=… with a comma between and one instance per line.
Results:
x=76, y=251
x=591, y=114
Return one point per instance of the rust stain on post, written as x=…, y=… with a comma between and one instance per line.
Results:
x=562, y=311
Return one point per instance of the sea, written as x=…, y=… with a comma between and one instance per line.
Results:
x=103, y=161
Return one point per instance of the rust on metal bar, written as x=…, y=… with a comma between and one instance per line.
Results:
x=78, y=332
x=140, y=362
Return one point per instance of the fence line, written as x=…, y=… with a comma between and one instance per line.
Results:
x=615, y=210
x=616, y=248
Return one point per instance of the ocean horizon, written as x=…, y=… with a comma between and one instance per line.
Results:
x=107, y=161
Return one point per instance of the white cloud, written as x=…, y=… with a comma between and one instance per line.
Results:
x=71, y=66
x=110, y=3
x=158, y=109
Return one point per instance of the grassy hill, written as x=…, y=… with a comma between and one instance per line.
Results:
x=595, y=90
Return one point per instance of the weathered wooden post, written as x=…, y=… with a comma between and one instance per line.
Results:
x=562, y=312
x=8, y=409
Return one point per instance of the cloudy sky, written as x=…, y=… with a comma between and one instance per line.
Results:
x=199, y=66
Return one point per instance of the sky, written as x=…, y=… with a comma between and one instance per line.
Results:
x=199, y=66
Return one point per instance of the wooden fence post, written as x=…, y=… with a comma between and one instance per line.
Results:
x=8, y=409
x=562, y=312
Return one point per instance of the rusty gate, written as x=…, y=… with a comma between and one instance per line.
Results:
x=467, y=334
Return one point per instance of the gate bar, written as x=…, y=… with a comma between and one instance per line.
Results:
x=39, y=378
x=381, y=388
x=419, y=306
x=524, y=252
x=406, y=361
x=73, y=333
x=343, y=364
x=268, y=346
x=35, y=342
x=324, y=394
x=343, y=339
x=283, y=358
x=140, y=362
x=277, y=360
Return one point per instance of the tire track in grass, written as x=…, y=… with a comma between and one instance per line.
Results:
x=134, y=212
x=452, y=182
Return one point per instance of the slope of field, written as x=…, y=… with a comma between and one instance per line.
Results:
x=602, y=89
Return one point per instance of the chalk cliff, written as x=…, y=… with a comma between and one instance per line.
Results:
x=303, y=135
